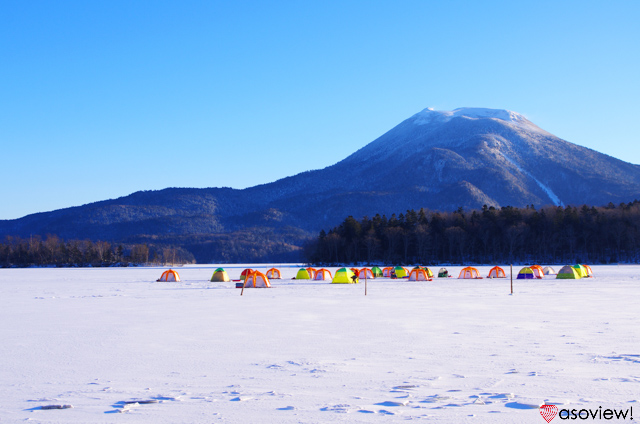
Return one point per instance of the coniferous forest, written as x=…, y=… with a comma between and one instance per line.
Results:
x=53, y=251
x=550, y=235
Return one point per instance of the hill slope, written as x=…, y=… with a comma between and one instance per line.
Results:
x=437, y=160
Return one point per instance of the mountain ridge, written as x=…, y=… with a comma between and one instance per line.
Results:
x=438, y=160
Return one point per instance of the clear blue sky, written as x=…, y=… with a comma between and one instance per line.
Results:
x=99, y=99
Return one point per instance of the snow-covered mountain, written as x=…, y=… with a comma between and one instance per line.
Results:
x=440, y=160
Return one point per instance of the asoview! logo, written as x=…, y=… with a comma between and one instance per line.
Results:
x=549, y=412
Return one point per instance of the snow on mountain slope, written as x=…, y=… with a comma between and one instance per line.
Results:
x=431, y=116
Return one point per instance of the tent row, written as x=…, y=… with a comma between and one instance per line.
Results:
x=254, y=278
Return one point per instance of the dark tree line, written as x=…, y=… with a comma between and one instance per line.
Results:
x=558, y=235
x=53, y=251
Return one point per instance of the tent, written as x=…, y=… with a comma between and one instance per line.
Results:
x=312, y=272
x=303, y=274
x=244, y=273
x=169, y=275
x=538, y=272
x=401, y=271
x=548, y=270
x=386, y=272
x=429, y=272
x=469, y=272
x=496, y=272
x=526, y=273
x=344, y=276
x=588, y=269
x=220, y=275
x=257, y=279
x=443, y=273
x=568, y=273
x=322, y=274
x=274, y=274
x=418, y=274
x=377, y=272
x=365, y=273
x=582, y=271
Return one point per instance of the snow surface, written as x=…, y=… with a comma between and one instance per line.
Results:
x=430, y=116
x=555, y=199
x=448, y=350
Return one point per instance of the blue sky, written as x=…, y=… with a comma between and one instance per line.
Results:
x=99, y=99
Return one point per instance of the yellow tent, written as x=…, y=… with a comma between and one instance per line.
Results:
x=344, y=276
x=303, y=274
x=220, y=275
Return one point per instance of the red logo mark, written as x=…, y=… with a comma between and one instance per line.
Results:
x=548, y=412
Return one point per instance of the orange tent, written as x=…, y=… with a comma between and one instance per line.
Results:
x=496, y=272
x=273, y=274
x=323, y=274
x=312, y=272
x=538, y=272
x=169, y=275
x=386, y=272
x=244, y=273
x=365, y=273
x=418, y=274
x=256, y=279
x=589, y=270
x=469, y=272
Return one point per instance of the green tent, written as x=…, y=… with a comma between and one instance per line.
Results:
x=443, y=273
x=568, y=272
x=377, y=272
x=344, y=276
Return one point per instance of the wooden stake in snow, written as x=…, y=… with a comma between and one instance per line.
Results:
x=511, y=272
x=365, y=282
x=243, y=284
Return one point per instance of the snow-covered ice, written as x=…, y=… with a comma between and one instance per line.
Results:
x=120, y=347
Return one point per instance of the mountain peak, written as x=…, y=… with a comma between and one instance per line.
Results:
x=431, y=116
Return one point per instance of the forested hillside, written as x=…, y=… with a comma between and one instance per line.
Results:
x=585, y=234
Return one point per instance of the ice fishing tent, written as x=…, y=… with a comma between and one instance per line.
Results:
x=344, y=276
x=312, y=272
x=582, y=271
x=548, y=270
x=429, y=272
x=322, y=274
x=526, y=273
x=588, y=269
x=401, y=271
x=274, y=274
x=469, y=272
x=568, y=272
x=169, y=275
x=365, y=273
x=386, y=272
x=303, y=274
x=257, y=279
x=244, y=273
x=443, y=273
x=496, y=272
x=220, y=275
x=377, y=272
x=538, y=272
x=418, y=274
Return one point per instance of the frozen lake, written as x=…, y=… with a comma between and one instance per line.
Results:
x=448, y=350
